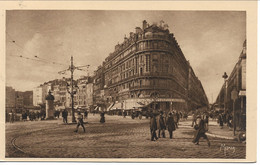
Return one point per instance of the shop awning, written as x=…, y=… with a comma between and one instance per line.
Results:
x=136, y=103
x=242, y=93
x=111, y=105
x=117, y=106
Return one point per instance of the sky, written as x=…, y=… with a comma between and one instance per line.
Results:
x=211, y=40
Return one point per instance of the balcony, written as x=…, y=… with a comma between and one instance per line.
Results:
x=146, y=87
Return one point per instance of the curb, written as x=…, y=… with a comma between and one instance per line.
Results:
x=213, y=135
x=222, y=137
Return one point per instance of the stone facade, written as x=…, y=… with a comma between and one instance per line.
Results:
x=149, y=65
x=236, y=81
x=10, y=97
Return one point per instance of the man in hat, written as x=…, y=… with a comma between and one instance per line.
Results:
x=161, y=125
x=65, y=116
x=80, y=122
x=200, y=131
x=170, y=124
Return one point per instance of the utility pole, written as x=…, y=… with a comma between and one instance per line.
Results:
x=73, y=87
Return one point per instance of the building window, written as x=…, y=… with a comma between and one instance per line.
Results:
x=136, y=65
x=147, y=61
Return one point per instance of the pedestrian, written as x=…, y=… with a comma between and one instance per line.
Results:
x=200, y=132
x=124, y=113
x=229, y=120
x=24, y=116
x=175, y=119
x=185, y=116
x=178, y=118
x=37, y=115
x=65, y=116
x=153, y=127
x=85, y=114
x=140, y=115
x=33, y=116
x=102, y=117
x=133, y=115
x=224, y=117
x=161, y=125
x=220, y=120
x=58, y=114
x=11, y=116
x=206, y=122
x=80, y=122
x=170, y=124
x=193, y=119
x=30, y=116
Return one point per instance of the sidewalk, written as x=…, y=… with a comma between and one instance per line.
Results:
x=224, y=133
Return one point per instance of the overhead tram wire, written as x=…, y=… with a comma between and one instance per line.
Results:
x=30, y=53
x=27, y=58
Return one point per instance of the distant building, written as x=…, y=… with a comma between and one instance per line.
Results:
x=37, y=96
x=19, y=99
x=89, y=94
x=9, y=97
x=40, y=93
x=28, y=98
x=98, y=88
x=82, y=98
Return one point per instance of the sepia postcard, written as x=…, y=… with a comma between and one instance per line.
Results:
x=129, y=81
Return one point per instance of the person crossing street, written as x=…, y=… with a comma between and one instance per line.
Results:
x=80, y=122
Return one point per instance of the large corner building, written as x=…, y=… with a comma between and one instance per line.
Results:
x=149, y=70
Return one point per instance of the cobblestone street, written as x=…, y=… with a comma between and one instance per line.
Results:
x=117, y=138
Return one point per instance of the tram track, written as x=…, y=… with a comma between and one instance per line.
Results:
x=19, y=149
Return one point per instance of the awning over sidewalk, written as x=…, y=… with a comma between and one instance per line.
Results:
x=117, y=106
x=141, y=102
x=242, y=93
x=136, y=103
x=110, y=106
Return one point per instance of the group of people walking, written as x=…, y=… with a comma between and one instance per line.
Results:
x=161, y=122
x=225, y=118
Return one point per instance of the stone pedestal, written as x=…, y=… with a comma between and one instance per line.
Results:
x=49, y=106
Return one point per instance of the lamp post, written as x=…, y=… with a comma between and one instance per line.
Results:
x=225, y=76
x=234, y=96
x=72, y=87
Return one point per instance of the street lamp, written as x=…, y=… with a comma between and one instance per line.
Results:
x=225, y=76
x=72, y=88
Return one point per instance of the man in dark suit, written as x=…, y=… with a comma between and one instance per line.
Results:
x=153, y=126
x=170, y=124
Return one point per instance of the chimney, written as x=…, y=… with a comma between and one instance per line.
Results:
x=138, y=30
x=125, y=38
x=144, y=24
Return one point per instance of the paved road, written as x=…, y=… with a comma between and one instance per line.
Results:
x=117, y=138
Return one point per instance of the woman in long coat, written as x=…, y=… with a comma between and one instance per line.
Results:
x=200, y=132
x=170, y=124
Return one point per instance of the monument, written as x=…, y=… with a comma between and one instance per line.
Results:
x=49, y=106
